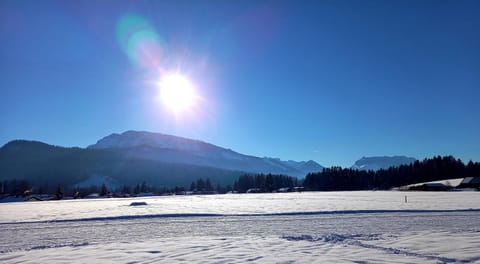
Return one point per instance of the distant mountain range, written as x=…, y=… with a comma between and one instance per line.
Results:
x=173, y=149
x=384, y=162
x=133, y=157
x=158, y=159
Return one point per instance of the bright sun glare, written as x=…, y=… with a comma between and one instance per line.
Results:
x=177, y=93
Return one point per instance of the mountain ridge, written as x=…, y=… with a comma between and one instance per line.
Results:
x=155, y=146
x=158, y=159
x=381, y=162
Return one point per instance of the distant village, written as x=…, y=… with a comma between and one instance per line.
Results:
x=260, y=183
x=205, y=188
x=433, y=174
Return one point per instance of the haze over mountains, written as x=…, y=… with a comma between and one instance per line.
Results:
x=173, y=149
x=158, y=159
x=133, y=157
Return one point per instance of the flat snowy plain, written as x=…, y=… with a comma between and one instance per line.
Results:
x=310, y=227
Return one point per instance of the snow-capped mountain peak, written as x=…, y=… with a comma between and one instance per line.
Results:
x=173, y=149
x=132, y=138
x=381, y=162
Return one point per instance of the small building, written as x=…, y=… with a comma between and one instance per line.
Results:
x=93, y=196
x=254, y=190
x=430, y=186
x=470, y=182
x=33, y=199
x=299, y=189
x=145, y=194
x=284, y=189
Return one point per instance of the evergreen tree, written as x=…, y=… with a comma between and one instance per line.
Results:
x=2, y=187
x=208, y=185
x=266, y=183
x=200, y=185
x=235, y=186
x=144, y=187
x=193, y=186
x=126, y=189
x=103, y=190
x=269, y=183
x=136, y=189
x=436, y=168
x=58, y=193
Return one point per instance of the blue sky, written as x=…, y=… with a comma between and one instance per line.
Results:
x=330, y=81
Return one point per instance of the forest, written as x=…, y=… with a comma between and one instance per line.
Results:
x=330, y=179
x=432, y=169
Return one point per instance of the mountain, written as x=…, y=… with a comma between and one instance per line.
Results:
x=46, y=166
x=383, y=162
x=173, y=149
x=303, y=166
x=133, y=157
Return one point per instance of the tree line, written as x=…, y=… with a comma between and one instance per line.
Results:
x=263, y=182
x=259, y=182
x=330, y=179
x=433, y=169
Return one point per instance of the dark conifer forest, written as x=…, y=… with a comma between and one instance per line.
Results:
x=433, y=169
x=330, y=179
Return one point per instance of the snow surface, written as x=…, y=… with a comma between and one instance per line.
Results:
x=319, y=227
x=450, y=182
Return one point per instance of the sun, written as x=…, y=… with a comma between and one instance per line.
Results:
x=177, y=93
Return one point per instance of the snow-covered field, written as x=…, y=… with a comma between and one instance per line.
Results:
x=317, y=227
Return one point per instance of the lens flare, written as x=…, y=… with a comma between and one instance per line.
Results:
x=139, y=40
x=182, y=103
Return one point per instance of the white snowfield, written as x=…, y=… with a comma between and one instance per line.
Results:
x=310, y=227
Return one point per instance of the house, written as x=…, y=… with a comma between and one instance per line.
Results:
x=93, y=196
x=33, y=199
x=284, y=189
x=254, y=190
x=430, y=186
x=470, y=182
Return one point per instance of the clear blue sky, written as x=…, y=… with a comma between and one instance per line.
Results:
x=330, y=81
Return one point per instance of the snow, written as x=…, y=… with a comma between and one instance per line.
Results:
x=326, y=227
x=450, y=182
x=238, y=204
x=305, y=166
x=130, y=139
x=384, y=162
x=173, y=149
